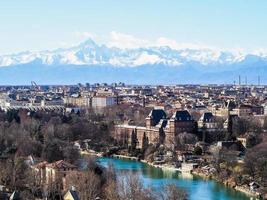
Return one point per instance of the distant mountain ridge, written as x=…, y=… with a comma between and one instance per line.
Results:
x=90, y=62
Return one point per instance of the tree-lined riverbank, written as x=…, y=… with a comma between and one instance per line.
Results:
x=197, y=188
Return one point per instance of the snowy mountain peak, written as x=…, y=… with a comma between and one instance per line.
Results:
x=90, y=53
x=89, y=43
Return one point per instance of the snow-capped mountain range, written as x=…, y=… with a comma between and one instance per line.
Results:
x=90, y=53
x=90, y=62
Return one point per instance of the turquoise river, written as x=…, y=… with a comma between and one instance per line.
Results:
x=197, y=188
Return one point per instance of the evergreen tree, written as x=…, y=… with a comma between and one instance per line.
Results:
x=145, y=142
x=133, y=140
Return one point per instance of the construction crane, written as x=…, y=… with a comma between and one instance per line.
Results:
x=35, y=86
x=34, y=91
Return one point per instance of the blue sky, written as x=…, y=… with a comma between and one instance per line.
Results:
x=48, y=24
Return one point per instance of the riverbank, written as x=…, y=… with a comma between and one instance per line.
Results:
x=168, y=167
x=242, y=189
x=228, y=183
x=91, y=153
x=156, y=178
x=248, y=192
x=163, y=167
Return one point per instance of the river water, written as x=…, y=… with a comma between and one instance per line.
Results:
x=197, y=188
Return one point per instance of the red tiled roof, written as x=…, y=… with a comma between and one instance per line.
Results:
x=41, y=165
x=55, y=165
x=60, y=164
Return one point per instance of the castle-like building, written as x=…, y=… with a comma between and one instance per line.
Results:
x=158, y=129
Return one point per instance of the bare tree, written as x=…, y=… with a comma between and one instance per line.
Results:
x=131, y=188
x=255, y=162
x=172, y=192
x=88, y=184
x=111, y=190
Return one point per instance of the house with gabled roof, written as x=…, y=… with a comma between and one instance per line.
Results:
x=71, y=194
x=52, y=172
x=58, y=169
